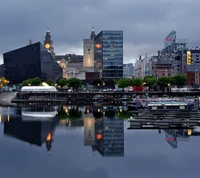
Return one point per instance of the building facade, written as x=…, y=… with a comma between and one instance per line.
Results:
x=88, y=50
x=108, y=54
x=128, y=70
x=29, y=62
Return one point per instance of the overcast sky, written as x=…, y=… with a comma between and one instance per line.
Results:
x=145, y=23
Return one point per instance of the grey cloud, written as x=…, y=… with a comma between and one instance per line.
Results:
x=145, y=22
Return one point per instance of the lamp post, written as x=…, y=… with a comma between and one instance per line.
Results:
x=169, y=87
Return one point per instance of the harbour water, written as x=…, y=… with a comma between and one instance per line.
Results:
x=84, y=142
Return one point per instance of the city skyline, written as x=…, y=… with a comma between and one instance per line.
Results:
x=145, y=25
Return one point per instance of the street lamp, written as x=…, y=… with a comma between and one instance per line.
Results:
x=169, y=87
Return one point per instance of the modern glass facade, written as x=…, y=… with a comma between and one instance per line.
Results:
x=29, y=62
x=111, y=143
x=109, y=54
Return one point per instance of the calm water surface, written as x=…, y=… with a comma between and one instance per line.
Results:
x=91, y=143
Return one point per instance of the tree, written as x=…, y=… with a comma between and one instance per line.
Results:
x=62, y=82
x=124, y=115
x=137, y=82
x=150, y=82
x=50, y=82
x=163, y=81
x=36, y=81
x=179, y=80
x=62, y=115
x=74, y=83
x=124, y=82
x=74, y=114
x=27, y=82
x=147, y=77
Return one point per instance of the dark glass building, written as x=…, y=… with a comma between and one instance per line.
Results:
x=109, y=54
x=109, y=133
x=29, y=62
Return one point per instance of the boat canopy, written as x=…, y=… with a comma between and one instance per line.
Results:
x=39, y=89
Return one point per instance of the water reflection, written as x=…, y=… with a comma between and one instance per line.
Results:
x=35, y=126
x=103, y=127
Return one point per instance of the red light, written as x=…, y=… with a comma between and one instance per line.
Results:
x=48, y=137
x=169, y=139
x=99, y=136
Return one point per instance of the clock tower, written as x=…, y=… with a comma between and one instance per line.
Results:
x=48, y=43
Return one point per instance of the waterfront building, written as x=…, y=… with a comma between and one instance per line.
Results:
x=172, y=44
x=128, y=70
x=29, y=62
x=161, y=66
x=184, y=57
x=48, y=43
x=193, y=75
x=108, y=54
x=70, y=58
x=63, y=65
x=88, y=50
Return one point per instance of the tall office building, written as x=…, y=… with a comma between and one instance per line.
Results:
x=108, y=54
x=29, y=62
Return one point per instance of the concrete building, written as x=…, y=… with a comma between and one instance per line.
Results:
x=143, y=67
x=88, y=50
x=161, y=66
x=128, y=70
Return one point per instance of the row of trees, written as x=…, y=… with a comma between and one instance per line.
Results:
x=178, y=80
x=149, y=81
x=75, y=114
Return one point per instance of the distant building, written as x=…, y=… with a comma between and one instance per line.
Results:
x=193, y=75
x=29, y=62
x=108, y=54
x=183, y=57
x=157, y=66
x=70, y=58
x=48, y=43
x=172, y=44
x=128, y=70
x=161, y=66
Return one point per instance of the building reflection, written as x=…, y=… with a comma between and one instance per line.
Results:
x=34, y=127
x=104, y=132
x=173, y=136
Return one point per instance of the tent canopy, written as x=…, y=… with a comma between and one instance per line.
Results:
x=39, y=89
